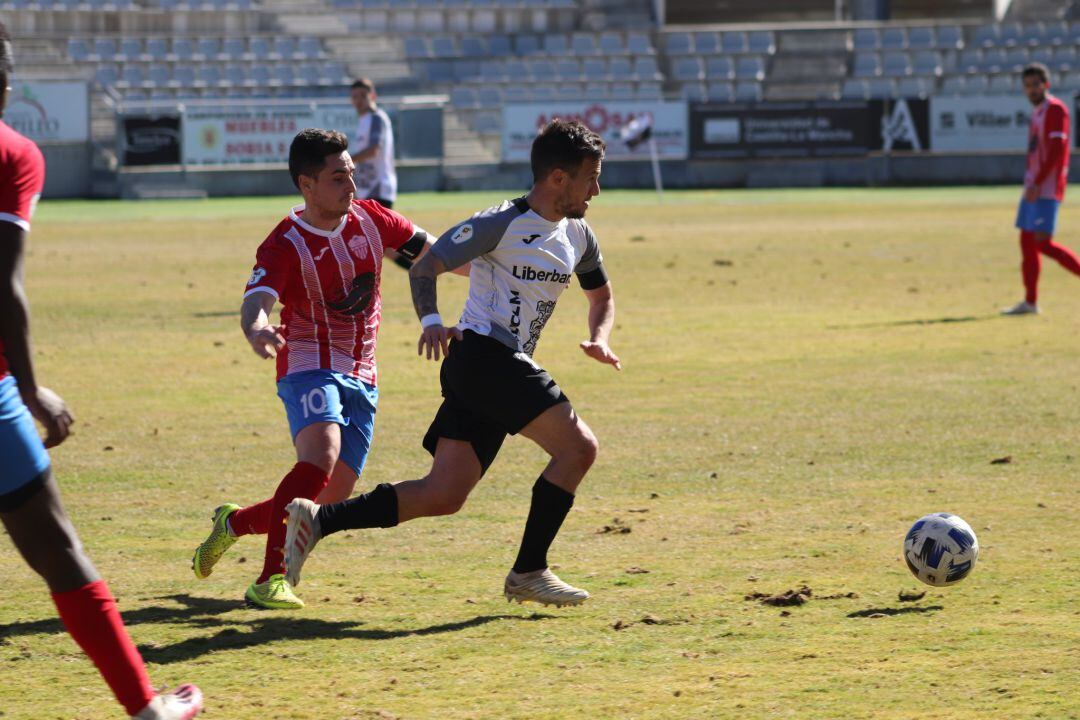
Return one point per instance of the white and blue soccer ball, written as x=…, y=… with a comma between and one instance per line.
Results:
x=941, y=549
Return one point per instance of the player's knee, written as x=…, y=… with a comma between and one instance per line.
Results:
x=583, y=450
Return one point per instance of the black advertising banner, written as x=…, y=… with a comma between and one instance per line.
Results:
x=807, y=129
x=903, y=124
x=151, y=140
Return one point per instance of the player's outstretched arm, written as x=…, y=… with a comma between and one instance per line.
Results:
x=44, y=404
x=265, y=339
x=435, y=337
x=601, y=321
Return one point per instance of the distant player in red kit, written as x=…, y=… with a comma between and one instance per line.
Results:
x=1044, y=186
x=323, y=262
x=30, y=507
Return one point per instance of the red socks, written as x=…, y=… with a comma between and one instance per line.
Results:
x=91, y=617
x=303, y=481
x=1030, y=248
x=252, y=520
x=1030, y=265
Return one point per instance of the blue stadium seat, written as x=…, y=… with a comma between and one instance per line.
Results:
x=620, y=68
x=707, y=43
x=208, y=48
x=927, y=62
x=107, y=75
x=591, y=70
x=584, y=44
x=310, y=74
x=596, y=91
x=1016, y=59
x=474, y=47
x=79, y=50
x=692, y=92
x=519, y=94
x=1065, y=58
x=463, y=97
x=748, y=91
x=639, y=44
x=208, y=75
x=1012, y=34
x=1044, y=55
x=761, y=42
x=611, y=43
x=260, y=76
x=467, y=70
x=735, y=42
x=183, y=50
x=131, y=76
x=687, y=69
x=913, y=87
x=416, y=48
x=284, y=74
x=679, y=43
x=493, y=72
x=525, y=45
x=1055, y=33
x=854, y=89
x=235, y=75
x=542, y=70
x=443, y=46
x=895, y=64
x=623, y=91
x=556, y=45
x=976, y=85
x=311, y=48
x=568, y=69
x=720, y=92
x=259, y=49
x=950, y=37
x=986, y=36
x=719, y=68
x=866, y=64
x=750, y=68
x=970, y=61
x=866, y=39
x=880, y=88
x=921, y=38
x=1002, y=84
x=183, y=76
x=157, y=48
x=105, y=49
x=953, y=85
x=490, y=97
x=285, y=48
x=994, y=60
x=500, y=46
x=894, y=38
x=646, y=69
x=158, y=75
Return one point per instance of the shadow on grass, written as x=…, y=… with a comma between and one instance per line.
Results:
x=904, y=323
x=197, y=611
x=871, y=612
x=278, y=628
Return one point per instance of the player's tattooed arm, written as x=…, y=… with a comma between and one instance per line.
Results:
x=265, y=339
x=435, y=338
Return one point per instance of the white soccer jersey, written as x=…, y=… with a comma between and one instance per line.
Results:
x=520, y=265
x=375, y=177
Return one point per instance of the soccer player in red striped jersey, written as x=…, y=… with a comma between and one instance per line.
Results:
x=323, y=262
x=1044, y=187
x=30, y=505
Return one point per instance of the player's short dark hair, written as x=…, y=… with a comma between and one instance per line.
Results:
x=309, y=150
x=7, y=58
x=564, y=145
x=1037, y=69
x=364, y=83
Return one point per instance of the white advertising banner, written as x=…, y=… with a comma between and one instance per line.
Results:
x=225, y=136
x=47, y=111
x=669, y=127
x=979, y=122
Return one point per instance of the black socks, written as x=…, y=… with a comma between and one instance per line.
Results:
x=550, y=504
x=377, y=508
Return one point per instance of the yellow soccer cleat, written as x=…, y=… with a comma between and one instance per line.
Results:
x=274, y=594
x=216, y=543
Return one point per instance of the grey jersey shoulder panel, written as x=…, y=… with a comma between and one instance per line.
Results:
x=591, y=259
x=480, y=234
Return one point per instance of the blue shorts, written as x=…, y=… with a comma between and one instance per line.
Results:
x=1039, y=216
x=24, y=457
x=327, y=396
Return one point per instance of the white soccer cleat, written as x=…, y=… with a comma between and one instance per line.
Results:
x=301, y=536
x=183, y=703
x=1022, y=308
x=542, y=586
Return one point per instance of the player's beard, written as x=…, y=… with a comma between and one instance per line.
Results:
x=567, y=208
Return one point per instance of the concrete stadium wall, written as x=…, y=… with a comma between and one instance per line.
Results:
x=67, y=169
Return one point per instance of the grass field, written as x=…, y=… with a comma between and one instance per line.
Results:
x=805, y=373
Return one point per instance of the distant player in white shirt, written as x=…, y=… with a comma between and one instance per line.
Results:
x=372, y=148
x=522, y=255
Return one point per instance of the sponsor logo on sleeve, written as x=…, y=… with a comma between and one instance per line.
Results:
x=256, y=275
x=462, y=234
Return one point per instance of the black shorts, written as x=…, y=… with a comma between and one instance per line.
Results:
x=489, y=392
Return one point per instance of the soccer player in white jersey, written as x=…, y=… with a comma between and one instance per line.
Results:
x=372, y=147
x=521, y=256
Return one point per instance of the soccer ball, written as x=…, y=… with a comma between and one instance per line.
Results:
x=941, y=549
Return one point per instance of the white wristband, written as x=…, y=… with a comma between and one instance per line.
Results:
x=429, y=320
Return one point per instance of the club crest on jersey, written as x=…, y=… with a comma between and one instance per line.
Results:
x=463, y=233
x=256, y=275
x=358, y=244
